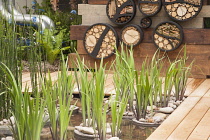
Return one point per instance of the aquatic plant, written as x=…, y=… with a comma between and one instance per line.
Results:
x=28, y=112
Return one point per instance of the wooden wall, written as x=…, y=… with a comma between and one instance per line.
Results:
x=197, y=41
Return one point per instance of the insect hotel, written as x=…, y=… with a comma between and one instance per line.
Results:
x=144, y=25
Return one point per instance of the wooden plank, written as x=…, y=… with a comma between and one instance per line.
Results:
x=202, y=130
x=97, y=2
x=207, y=95
x=192, y=85
x=185, y=128
x=104, y=2
x=202, y=89
x=191, y=36
x=170, y=124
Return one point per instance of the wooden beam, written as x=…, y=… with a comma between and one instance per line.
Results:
x=104, y=2
x=191, y=36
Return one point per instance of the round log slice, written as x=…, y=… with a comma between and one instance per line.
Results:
x=131, y=35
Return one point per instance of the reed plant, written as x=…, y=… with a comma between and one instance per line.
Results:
x=8, y=56
x=99, y=109
x=118, y=104
x=125, y=69
x=148, y=85
x=59, y=94
x=181, y=75
x=85, y=82
x=124, y=80
x=28, y=112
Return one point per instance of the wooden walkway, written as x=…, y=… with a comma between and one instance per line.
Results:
x=190, y=121
x=26, y=83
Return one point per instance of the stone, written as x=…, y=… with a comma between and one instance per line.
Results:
x=12, y=120
x=5, y=121
x=150, y=120
x=3, y=138
x=177, y=103
x=172, y=105
x=166, y=110
x=108, y=130
x=85, y=130
x=114, y=138
x=149, y=108
x=130, y=113
x=159, y=117
x=142, y=120
x=9, y=138
x=1, y=122
x=5, y=130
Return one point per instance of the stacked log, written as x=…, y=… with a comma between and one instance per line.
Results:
x=167, y=36
x=106, y=47
x=183, y=11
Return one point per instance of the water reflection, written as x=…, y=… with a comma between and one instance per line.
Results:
x=130, y=131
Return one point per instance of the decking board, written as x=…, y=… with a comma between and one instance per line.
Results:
x=202, y=129
x=170, y=124
x=184, y=129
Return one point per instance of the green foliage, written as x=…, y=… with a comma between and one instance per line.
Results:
x=28, y=112
x=62, y=20
x=52, y=44
x=8, y=56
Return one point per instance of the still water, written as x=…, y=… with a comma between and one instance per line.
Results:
x=130, y=131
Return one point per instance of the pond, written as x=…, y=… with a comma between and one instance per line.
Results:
x=130, y=131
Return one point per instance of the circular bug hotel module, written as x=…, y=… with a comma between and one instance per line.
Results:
x=121, y=11
x=168, y=36
x=145, y=22
x=131, y=35
x=149, y=7
x=182, y=10
x=100, y=40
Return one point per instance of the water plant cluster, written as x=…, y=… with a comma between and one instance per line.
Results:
x=135, y=90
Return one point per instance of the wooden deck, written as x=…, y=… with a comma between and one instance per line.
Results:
x=190, y=121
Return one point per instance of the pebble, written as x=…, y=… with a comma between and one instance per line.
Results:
x=9, y=138
x=130, y=113
x=150, y=120
x=166, y=110
x=114, y=138
x=85, y=130
x=159, y=117
x=172, y=105
x=12, y=119
x=149, y=108
x=142, y=120
x=5, y=120
x=177, y=103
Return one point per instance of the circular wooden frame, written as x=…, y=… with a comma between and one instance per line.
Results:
x=145, y=22
x=121, y=12
x=100, y=40
x=149, y=7
x=182, y=10
x=132, y=35
x=168, y=36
